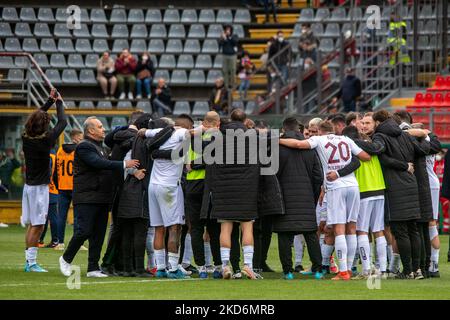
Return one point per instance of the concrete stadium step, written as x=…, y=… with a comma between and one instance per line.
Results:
x=251, y=94
x=282, y=18
x=427, y=76
x=255, y=79
x=295, y=4
x=268, y=33
x=401, y=102
x=258, y=63
x=256, y=49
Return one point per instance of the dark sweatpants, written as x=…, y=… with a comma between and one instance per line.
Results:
x=52, y=217
x=425, y=246
x=91, y=224
x=285, y=244
x=408, y=242
x=262, y=235
x=113, y=254
x=134, y=236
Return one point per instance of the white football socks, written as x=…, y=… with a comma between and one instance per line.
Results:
x=340, y=245
x=298, y=249
x=364, y=252
x=394, y=265
x=381, y=253
x=225, y=255
x=208, y=254
x=187, y=255
x=151, y=262
x=173, y=261
x=160, y=256
x=434, y=260
x=31, y=255
x=327, y=251
x=352, y=244
x=248, y=256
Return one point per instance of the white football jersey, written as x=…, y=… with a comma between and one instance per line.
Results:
x=432, y=176
x=335, y=152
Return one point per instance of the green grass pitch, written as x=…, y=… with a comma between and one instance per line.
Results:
x=16, y=284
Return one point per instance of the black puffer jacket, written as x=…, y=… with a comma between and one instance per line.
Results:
x=399, y=148
x=301, y=176
x=232, y=191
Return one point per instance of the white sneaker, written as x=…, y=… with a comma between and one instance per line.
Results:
x=139, y=96
x=185, y=272
x=60, y=247
x=96, y=274
x=83, y=248
x=130, y=96
x=3, y=225
x=122, y=96
x=210, y=269
x=65, y=267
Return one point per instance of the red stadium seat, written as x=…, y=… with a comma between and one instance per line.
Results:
x=428, y=100
x=447, y=82
x=440, y=81
x=439, y=99
x=447, y=99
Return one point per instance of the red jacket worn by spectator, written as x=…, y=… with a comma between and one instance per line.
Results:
x=126, y=69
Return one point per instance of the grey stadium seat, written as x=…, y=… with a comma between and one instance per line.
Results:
x=136, y=16
x=70, y=104
x=21, y=62
x=238, y=29
x=427, y=12
x=197, y=77
x=99, y=31
x=177, y=31
x=145, y=106
x=338, y=15
x=10, y=14
x=192, y=46
x=98, y=15
x=161, y=74
x=431, y=27
x=22, y=29
x=104, y=104
x=237, y=105
x=185, y=61
x=30, y=45
x=207, y=16
x=171, y=16
x=215, y=31
x=174, y=46
x=5, y=29
x=224, y=16
x=153, y=16
x=242, y=16
x=306, y=15
x=181, y=107
x=218, y=61
x=124, y=105
x=203, y=61
x=139, y=31
x=120, y=31
x=61, y=15
x=200, y=108
x=297, y=31
x=120, y=44
x=118, y=15
x=167, y=61
x=15, y=75
x=100, y=45
x=158, y=31
x=250, y=107
x=83, y=32
x=210, y=46
x=91, y=60
x=57, y=60
x=179, y=76
x=42, y=60
x=138, y=45
x=61, y=31
x=86, y=104
x=87, y=76
x=326, y=45
x=75, y=61
x=189, y=16
x=332, y=30
x=156, y=46
x=46, y=15
x=53, y=75
x=83, y=46
x=197, y=31
x=118, y=121
x=317, y=29
x=355, y=13
x=322, y=14
x=66, y=45
x=69, y=76
x=213, y=75
x=42, y=30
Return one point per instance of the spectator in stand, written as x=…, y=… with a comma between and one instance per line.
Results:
x=125, y=68
x=162, y=99
x=218, y=100
x=105, y=75
x=267, y=67
x=8, y=163
x=144, y=75
x=281, y=54
x=350, y=91
x=266, y=4
x=228, y=45
x=307, y=43
x=246, y=67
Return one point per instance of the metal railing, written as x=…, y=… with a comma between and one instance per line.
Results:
x=36, y=86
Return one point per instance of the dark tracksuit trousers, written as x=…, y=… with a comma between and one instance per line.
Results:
x=409, y=245
x=113, y=254
x=285, y=244
x=134, y=236
x=262, y=235
x=52, y=217
x=425, y=246
x=91, y=224
x=193, y=203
